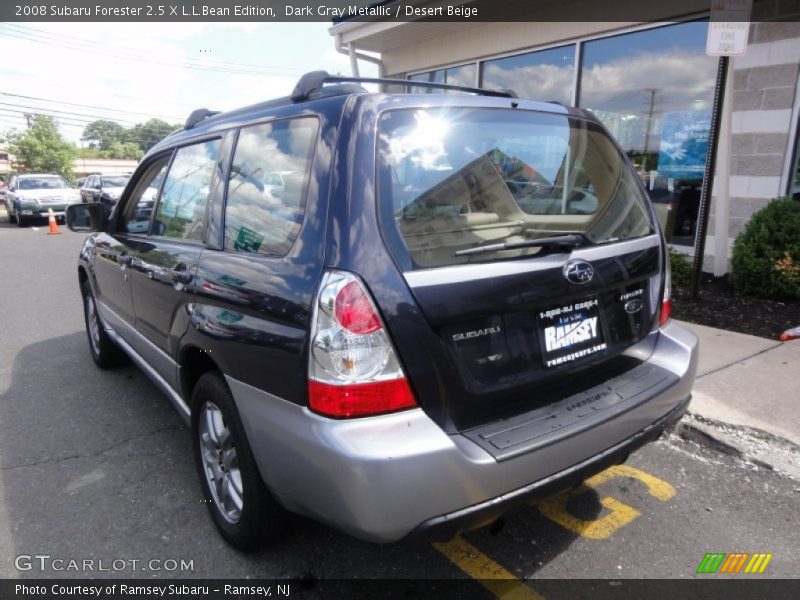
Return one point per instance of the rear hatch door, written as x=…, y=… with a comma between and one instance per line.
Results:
x=529, y=246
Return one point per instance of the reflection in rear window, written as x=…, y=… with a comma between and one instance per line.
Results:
x=452, y=179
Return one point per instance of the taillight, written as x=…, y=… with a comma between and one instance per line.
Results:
x=354, y=311
x=358, y=400
x=666, y=312
x=666, y=300
x=353, y=369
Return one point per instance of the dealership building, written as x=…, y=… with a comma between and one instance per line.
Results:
x=650, y=82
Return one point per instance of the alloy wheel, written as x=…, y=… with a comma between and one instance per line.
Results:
x=220, y=463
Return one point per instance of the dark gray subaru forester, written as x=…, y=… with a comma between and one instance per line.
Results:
x=394, y=313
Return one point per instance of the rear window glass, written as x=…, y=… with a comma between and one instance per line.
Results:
x=115, y=181
x=43, y=183
x=452, y=179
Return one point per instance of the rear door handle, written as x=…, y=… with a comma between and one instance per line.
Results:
x=180, y=274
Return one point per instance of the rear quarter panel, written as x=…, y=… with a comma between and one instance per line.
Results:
x=251, y=312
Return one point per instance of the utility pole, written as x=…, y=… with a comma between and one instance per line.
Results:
x=649, y=124
x=83, y=156
x=29, y=118
x=708, y=179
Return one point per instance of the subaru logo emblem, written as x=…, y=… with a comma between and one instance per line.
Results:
x=633, y=306
x=578, y=272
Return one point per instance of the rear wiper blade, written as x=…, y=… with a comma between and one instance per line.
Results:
x=571, y=240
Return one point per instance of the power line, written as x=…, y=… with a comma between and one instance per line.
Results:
x=129, y=112
x=73, y=116
x=70, y=120
x=79, y=117
x=199, y=62
x=73, y=122
x=68, y=113
x=13, y=112
x=109, y=93
x=94, y=48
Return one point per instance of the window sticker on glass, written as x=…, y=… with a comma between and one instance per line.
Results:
x=248, y=240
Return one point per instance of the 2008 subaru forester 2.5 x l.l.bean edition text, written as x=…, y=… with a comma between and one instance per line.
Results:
x=395, y=313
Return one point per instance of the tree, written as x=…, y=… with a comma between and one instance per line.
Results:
x=149, y=133
x=40, y=148
x=122, y=150
x=102, y=134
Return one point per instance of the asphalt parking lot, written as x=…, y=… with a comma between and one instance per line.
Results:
x=97, y=465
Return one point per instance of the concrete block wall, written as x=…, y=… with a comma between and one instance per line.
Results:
x=765, y=85
x=764, y=121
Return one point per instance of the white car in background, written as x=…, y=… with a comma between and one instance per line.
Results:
x=31, y=196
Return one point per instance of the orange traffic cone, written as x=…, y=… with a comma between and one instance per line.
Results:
x=52, y=224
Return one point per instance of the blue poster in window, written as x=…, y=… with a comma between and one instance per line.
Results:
x=684, y=144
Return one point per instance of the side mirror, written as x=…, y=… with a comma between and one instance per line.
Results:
x=86, y=217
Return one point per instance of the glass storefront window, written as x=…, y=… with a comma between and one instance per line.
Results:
x=794, y=181
x=463, y=75
x=654, y=90
x=542, y=75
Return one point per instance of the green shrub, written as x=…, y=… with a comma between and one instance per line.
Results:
x=681, y=267
x=766, y=256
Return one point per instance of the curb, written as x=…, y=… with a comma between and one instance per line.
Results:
x=749, y=444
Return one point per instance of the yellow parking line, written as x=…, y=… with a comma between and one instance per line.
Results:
x=655, y=486
x=621, y=515
x=488, y=573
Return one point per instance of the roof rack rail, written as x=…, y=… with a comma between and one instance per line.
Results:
x=311, y=84
x=197, y=116
x=314, y=80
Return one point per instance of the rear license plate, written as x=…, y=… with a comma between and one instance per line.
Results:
x=570, y=332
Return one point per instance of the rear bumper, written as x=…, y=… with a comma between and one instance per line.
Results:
x=446, y=526
x=383, y=478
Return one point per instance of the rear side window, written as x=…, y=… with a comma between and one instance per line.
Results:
x=452, y=179
x=267, y=186
x=181, y=212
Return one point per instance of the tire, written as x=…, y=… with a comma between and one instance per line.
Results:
x=105, y=353
x=246, y=515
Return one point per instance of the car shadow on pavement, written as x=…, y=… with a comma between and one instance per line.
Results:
x=97, y=465
x=31, y=223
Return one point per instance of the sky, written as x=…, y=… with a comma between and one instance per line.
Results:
x=129, y=72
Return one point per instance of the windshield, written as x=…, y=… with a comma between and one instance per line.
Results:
x=42, y=183
x=115, y=181
x=452, y=179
